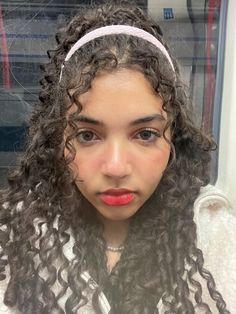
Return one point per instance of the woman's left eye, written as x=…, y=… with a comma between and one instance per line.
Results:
x=148, y=135
x=86, y=136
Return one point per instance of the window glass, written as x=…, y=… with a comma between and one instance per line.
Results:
x=194, y=29
x=196, y=32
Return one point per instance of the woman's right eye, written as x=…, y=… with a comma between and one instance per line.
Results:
x=86, y=136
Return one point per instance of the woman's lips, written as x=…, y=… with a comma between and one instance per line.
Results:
x=117, y=197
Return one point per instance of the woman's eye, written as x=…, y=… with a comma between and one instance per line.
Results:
x=86, y=136
x=147, y=135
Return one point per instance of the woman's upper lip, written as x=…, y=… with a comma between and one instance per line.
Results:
x=116, y=191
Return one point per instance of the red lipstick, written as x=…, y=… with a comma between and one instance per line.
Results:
x=117, y=197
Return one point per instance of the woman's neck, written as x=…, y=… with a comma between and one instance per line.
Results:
x=115, y=232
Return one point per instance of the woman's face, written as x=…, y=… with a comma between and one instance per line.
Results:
x=120, y=143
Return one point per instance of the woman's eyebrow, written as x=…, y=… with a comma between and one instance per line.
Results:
x=149, y=118
x=82, y=118
x=153, y=117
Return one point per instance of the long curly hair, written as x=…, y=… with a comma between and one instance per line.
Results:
x=43, y=215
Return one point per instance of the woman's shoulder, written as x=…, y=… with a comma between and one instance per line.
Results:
x=3, y=308
x=216, y=237
x=213, y=216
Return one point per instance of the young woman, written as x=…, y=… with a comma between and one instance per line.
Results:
x=109, y=211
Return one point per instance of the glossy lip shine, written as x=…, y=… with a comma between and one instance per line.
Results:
x=116, y=197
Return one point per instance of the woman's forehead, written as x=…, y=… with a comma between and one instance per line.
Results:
x=125, y=94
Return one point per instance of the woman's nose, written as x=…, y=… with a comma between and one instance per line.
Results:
x=116, y=161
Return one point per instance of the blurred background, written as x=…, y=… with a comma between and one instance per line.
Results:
x=195, y=30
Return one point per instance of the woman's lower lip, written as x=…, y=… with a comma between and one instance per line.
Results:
x=122, y=199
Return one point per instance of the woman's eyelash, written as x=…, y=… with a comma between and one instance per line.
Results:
x=87, y=136
x=90, y=134
x=149, y=131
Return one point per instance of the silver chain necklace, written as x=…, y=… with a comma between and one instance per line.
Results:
x=112, y=248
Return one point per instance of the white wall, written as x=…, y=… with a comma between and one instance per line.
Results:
x=227, y=146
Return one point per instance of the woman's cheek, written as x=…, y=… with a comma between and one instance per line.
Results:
x=155, y=166
x=159, y=159
x=85, y=167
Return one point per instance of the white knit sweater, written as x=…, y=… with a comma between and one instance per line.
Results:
x=216, y=237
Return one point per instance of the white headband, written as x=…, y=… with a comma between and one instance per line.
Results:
x=116, y=29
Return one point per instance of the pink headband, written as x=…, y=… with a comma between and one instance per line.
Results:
x=116, y=29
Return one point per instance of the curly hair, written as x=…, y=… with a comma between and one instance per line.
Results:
x=43, y=214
